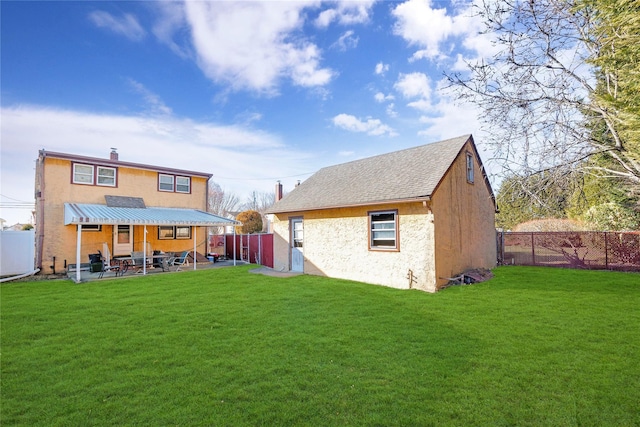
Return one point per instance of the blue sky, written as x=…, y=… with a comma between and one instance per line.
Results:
x=252, y=92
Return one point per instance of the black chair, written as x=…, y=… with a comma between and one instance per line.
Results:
x=99, y=265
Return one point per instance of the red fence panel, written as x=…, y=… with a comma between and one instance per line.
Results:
x=252, y=248
x=576, y=249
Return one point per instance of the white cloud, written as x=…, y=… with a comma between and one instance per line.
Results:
x=155, y=103
x=346, y=41
x=391, y=112
x=127, y=25
x=234, y=154
x=381, y=97
x=414, y=85
x=251, y=45
x=370, y=126
x=170, y=20
x=421, y=104
x=381, y=68
x=346, y=12
x=424, y=25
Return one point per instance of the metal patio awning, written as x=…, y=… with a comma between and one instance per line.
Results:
x=85, y=214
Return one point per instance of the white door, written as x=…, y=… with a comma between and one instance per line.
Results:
x=122, y=240
x=297, y=244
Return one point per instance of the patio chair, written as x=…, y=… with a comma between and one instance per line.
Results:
x=99, y=265
x=179, y=261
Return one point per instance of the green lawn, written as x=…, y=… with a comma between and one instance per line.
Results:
x=224, y=347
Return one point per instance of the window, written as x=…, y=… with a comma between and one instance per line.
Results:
x=183, y=232
x=178, y=184
x=183, y=184
x=82, y=174
x=169, y=232
x=124, y=234
x=106, y=176
x=165, y=232
x=383, y=230
x=165, y=182
x=469, y=168
x=91, y=227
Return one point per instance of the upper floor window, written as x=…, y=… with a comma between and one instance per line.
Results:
x=183, y=184
x=165, y=182
x=106, y=176
x=470, y=168
x=178, y=184
x=383, y=230
x=94, y=175
x=82, y=174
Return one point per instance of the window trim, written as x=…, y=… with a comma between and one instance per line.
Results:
x=177, y=177
x=95, y=177
x=469, y=167
x=174, y=183
x=174, y=232
x=91, y=227
x=74, y=172
x=396, y=245
x=179, y=235
x=166, y=232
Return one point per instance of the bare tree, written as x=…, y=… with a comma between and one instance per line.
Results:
x=221, y=203
x=542, y=100
x=260, y=201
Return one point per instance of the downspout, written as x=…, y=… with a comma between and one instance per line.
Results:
x=20, y=276
x=40, y=209
x=234, y=246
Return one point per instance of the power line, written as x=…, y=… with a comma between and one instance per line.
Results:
x=11, y=198
x=260, y=179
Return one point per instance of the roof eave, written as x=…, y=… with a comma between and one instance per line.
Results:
x=419, y=199
x=119, y=163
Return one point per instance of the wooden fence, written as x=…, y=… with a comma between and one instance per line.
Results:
x=595, y=250
x=253, y=248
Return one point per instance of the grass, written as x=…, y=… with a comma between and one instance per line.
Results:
x=533, y=346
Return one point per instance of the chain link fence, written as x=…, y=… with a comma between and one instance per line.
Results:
x=595, y=250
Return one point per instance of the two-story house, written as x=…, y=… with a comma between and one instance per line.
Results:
x=83, y=203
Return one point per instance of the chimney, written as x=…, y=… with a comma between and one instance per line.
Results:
x=278, y=191
x=114, y=154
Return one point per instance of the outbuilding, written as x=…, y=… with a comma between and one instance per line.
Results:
x=410, y=219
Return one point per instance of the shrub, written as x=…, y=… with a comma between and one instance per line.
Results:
x=612, y=217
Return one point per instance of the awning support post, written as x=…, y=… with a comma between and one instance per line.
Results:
x=78, y=254
x=144, y=251
x=195, y=258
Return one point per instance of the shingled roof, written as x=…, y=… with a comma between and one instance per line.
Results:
x=402, y=175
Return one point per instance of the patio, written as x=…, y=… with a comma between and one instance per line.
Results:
x=87, y=276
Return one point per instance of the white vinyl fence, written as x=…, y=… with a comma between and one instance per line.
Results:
x=17, y=252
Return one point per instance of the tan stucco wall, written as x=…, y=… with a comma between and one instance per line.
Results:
x=455, y=232
x=336, y=245
x=59, y=241
x=464, y=217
